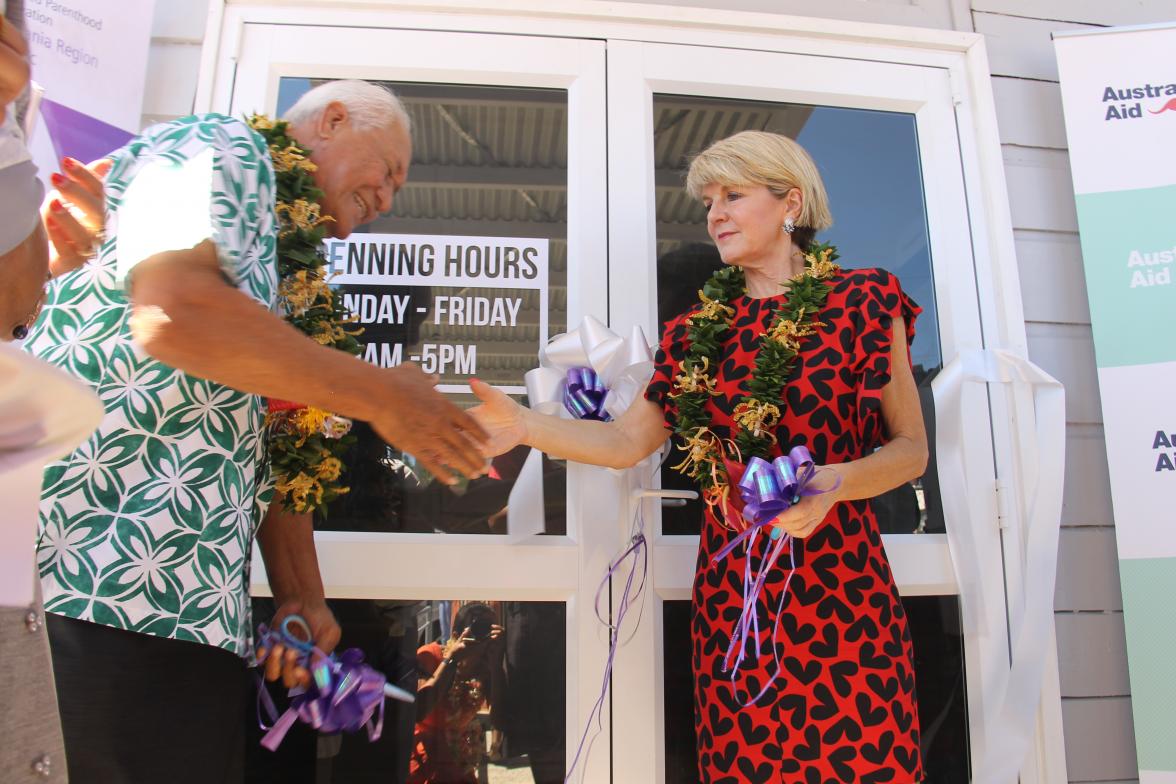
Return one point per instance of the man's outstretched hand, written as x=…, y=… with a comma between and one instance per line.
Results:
x=420, y=421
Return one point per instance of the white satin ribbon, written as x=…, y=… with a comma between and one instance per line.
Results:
x=1011, y=721
x=625, y=365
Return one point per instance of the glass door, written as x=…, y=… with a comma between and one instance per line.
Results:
x=494, y=245
x=520, y=151
x=884, y=138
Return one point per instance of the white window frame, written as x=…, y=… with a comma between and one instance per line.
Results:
x=961, y=55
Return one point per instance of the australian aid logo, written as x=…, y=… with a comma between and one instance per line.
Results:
x=1132, y=103
x=1164, y=445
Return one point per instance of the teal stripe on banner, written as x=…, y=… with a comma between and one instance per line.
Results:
x=1148, y=587
x=1129, y=249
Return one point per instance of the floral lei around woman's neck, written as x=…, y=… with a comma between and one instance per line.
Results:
x=758, y=413
x=305, y=443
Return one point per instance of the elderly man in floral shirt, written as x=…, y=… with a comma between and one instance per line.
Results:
x=147, y=528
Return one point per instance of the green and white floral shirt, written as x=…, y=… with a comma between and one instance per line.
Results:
x=148, y=526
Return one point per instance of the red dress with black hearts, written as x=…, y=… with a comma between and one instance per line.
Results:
x=842, y=708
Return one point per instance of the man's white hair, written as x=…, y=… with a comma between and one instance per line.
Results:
x=370, y=105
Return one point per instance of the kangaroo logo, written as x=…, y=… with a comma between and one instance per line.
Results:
x=1170, y=106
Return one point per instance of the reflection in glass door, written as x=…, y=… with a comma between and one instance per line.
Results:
x=489, y=163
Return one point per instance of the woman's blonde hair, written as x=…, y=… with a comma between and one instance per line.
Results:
x=768, y=159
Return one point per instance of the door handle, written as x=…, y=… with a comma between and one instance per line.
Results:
x=678, y=496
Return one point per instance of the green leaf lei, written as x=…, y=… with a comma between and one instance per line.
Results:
x=306, y=444
x=759, y=411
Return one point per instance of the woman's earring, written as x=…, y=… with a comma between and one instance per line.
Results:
x=789, y=226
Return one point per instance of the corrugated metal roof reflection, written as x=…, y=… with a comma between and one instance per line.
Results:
x=473, y=135
x=421, y=200
x=492, y=161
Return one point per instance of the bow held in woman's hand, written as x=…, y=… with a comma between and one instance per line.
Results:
x=769, y=491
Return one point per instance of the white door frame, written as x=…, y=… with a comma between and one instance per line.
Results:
x=961, y=55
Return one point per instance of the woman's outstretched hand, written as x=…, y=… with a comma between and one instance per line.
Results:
x=501, y=418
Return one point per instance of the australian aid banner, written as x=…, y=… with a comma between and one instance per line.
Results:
x=1119, y=94
x=90, y=58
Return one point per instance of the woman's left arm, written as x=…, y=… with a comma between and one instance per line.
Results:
x=901, y=459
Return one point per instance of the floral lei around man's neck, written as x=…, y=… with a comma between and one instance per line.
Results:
x=306, y=444
x=758, y=413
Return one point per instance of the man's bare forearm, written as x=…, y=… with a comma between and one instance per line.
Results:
x=188, y=317
x=287, y=546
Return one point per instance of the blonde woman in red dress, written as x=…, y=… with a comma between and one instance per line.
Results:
x=836, y=696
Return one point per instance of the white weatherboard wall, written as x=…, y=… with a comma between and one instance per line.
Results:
x=173, y=64
x=1099, y=736
x=1096, y=705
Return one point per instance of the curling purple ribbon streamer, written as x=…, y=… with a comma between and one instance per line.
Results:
x=345, y=695
x=584, y=393
x=638, y=553
x=767, y=490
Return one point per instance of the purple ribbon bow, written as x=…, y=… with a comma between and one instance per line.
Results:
x=770, y=488
x=584, y=394
x=344, y=695
x=767, y=490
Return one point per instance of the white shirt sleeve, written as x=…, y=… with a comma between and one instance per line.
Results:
x=167, y=206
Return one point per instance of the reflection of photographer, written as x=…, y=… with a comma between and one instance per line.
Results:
x=457, y=681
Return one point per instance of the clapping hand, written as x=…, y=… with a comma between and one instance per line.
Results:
x=14, y=65
x=75, y=234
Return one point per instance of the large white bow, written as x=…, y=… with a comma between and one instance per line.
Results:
x=625, y=365
x=1015, y=692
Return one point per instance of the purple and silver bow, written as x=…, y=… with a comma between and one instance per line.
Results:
x=344, y=695
x=588, y=373
x=610, y=371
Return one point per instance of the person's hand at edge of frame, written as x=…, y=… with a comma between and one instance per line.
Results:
x=14, y=65
x=75, y=237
